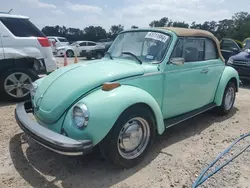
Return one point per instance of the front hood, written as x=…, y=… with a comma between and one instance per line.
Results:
x=60, y=89
x=242, y=56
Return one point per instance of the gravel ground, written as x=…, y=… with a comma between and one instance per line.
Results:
x=175, y=160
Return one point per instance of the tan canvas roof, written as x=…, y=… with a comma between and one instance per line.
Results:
x=184, y=32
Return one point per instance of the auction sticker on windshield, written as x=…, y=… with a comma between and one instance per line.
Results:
x=157, y=36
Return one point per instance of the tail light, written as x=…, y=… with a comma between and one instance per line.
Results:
x=44, y=41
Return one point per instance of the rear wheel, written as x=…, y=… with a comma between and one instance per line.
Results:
x=99, y=55
x=89, y=57
x=130, y=138
x=15, y=83
x=70, y=53
x=228, y=100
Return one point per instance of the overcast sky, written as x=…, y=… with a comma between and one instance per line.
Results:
x=82, y=13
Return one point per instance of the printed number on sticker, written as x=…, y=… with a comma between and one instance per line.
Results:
x=157, y=36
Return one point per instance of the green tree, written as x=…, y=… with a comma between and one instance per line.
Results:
x=115, y=30
x=134, y=27
x=159, y=23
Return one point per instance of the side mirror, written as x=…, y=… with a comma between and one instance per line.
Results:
x=177, y=61
x=77, y=45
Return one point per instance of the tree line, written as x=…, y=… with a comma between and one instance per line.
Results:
x=237, y=27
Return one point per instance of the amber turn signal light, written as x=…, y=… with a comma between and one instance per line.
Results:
x=110, y=86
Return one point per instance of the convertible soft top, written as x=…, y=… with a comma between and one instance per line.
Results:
x=184, y=32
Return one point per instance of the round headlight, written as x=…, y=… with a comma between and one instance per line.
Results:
x=81, y=115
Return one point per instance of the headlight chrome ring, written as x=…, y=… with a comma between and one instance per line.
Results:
x=80, y=115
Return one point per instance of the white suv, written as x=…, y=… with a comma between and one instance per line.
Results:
x=25, y=53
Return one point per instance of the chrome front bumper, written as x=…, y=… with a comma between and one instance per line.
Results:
x=51, y=140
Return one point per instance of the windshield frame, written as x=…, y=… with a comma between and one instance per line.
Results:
x=74, y=43
x=150, y=30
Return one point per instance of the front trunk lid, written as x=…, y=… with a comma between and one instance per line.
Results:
x=61, y=88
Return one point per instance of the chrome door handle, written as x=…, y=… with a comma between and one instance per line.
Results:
x=204, y=71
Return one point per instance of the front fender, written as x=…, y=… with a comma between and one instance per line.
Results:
x=105, y=108
x=228, y=74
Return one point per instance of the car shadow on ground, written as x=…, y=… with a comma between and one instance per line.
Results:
x=6, y=103
x=245, y=84
x=91, y=170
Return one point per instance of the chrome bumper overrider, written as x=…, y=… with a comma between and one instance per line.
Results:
x=52, y=140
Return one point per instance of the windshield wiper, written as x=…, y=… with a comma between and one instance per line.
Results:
x=109, y=54
x=129, y=53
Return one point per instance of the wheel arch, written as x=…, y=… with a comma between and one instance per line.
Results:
x=143, y=105
x=229, y=75
x=25, y=62
x=71, y=51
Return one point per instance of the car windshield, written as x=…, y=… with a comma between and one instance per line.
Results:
x=62, y=39
x=74, y=44
x=148, y=47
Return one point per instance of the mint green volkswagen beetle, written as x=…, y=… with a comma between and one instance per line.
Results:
x=149, y=80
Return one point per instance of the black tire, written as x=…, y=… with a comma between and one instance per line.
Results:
x=70, y=53
x=223, y=109
x=89, y=57
x=3, y=80
x=99, y=56
x=109, y=146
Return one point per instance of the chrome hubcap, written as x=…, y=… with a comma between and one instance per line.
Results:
x=229, y=99
x=133, y=138
x=18, y=84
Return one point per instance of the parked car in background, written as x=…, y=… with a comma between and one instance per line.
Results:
x=246, y=43
x=150, y=80
x=97, y=52
x=241, y=61
x=75, y=48
x=25, y=52
x=230, y=47
x=107, y=42
x=57, y=42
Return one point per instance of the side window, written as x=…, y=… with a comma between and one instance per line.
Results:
x=83, y=44
x=194, y=49
x=21, y=27
x=228, y=45
x=178, y=51
x=91, y=44
x=210, y=50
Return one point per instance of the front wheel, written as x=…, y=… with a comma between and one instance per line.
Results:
x=228, y=100
x=130, y=138
x=99, y=56
x=89, y=57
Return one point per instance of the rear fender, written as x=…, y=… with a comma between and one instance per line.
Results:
x=106, y=107
x=228, y=74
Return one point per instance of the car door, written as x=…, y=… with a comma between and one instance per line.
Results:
x=229, y=48
x=1, y=48
x=215, y=67
x=91, y=45
x=184, y=84
x=81, y=47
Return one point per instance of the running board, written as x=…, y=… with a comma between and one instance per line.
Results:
x=178, y=119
